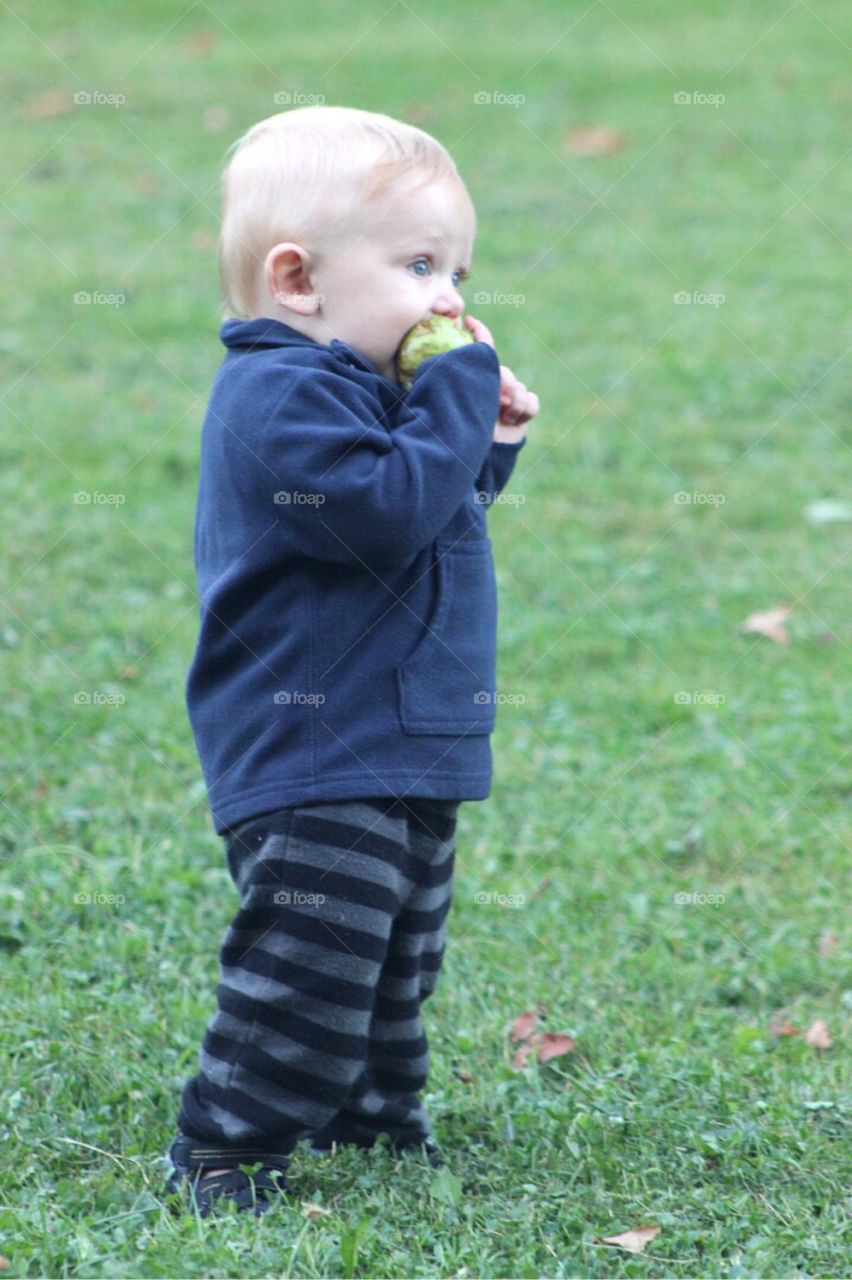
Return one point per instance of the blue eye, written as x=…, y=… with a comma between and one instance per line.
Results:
x=458, y=276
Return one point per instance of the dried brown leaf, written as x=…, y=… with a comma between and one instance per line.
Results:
x=552, y=1045
x=633, y=1241
x=311, y=1210
x=521, y=1055
x=200, y=43
x=769, y=623
x=783, y=1027
x=523, y=1026
x=595, y=140
x=818, y=1036
x=53, y=102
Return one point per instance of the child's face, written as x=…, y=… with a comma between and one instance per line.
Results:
x=397, y=269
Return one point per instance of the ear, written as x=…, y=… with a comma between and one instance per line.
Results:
x=287, y=275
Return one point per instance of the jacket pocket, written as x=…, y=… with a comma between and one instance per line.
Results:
x=447, y=685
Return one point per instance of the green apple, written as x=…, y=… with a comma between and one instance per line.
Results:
x=428, y=338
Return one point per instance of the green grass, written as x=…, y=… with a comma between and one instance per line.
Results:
x=611, y=796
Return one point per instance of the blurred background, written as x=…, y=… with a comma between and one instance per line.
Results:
x=662, y=868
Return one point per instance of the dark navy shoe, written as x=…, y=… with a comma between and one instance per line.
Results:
x=256, y=1191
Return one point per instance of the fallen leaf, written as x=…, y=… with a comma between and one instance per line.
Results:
x=633, y=1241
x=522, y=1026
x=200, y=43
x=551, y=1045
x=595, y=140
x=4, y=1263
x=783, y=1027
x=827, y=942
x=215, y=118
x=521, y=1055
x=464, y=1076
x=769, y=623
x=311, y=1210
x=53, y=102
x=818, y=1036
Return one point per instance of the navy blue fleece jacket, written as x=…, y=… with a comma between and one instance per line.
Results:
x=348, y=604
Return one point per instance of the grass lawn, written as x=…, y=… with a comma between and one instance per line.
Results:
x=666, y=845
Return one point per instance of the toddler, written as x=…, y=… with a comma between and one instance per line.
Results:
x=342, y=692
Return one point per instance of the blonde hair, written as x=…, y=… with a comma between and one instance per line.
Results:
x=310, y=175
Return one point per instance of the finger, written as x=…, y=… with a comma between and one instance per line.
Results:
x=479, y=330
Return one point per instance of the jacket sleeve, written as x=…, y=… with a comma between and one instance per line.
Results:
x=352, y=488
x=497, y=468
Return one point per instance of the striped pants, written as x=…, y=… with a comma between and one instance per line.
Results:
x=338, y=940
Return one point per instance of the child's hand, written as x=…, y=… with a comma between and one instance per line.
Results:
x=517, y=405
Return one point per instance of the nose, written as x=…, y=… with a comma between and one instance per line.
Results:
x=449, y=303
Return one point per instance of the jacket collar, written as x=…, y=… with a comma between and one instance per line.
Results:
x=263, y=331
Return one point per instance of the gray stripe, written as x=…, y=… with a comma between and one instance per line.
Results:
x=290, y=1106
x=332, y=911
x=332, y=1071
x=328, y=962
x=290, y=1051
x=336, y=1017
